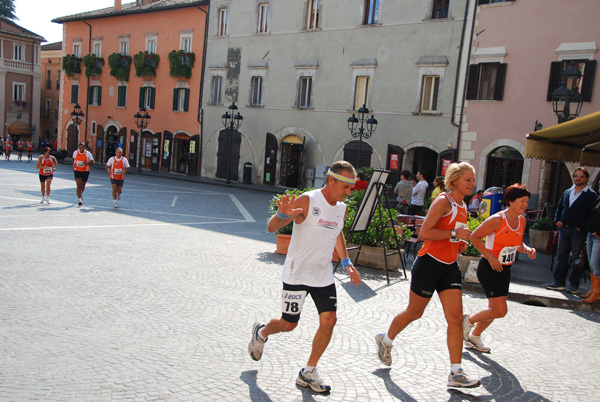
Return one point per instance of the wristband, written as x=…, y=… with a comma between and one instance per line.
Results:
x=346, y=262
x=282, y=216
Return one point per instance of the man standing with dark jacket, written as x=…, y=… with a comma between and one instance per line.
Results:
x=574, y=211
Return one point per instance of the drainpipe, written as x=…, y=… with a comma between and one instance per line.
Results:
x=462, y=105
x=200, y=116
x=87, y=92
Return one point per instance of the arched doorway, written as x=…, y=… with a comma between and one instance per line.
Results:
x=72, y=139
x=424, y=160
x=111, y=141
x=504, y=167
x=292, y=161
x=181, y=153
x=351, y=150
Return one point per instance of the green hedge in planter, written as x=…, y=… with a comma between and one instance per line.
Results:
x=542, y=224
x=181, y=63
x=120, y=66
x=146, y=64
x=71, y=65
x=287, y=229
x=472, y=224
x=93, y=65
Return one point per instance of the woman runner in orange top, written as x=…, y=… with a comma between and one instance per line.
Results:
x=29, y=150
x=444, y=232
x=504, y=238
x=46, y=164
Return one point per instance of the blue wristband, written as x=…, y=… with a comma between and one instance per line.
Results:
x=282, y=216
x=346, y=262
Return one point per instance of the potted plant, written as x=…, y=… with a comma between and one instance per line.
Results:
x=471, y=253
x=181, y=63
x=284, y=235
x=71, y=65
x=539, y=234
x=93, y=65
x=145, y=64
x=372, y=251
x=120, y=66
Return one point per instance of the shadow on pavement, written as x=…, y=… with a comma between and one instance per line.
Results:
x=502, y=384
x=256, y=393
x=391, y=386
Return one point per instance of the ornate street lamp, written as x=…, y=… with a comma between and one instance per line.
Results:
x=360, y=132
x=232, y=121
x=566, y=102
x=77, y=118
x=142, y=120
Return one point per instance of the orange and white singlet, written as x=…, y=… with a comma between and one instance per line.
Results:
x=117, y=169
x=80, y=161
x=503, y=243
x=8, y=145
x=29, y=146
x=20, y=145
x=446, y=250
x=46, y=166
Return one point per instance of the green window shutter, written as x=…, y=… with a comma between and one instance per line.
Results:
x=141, y=97
x=175, y=98
x=99, y=95
x=74, y=93
x=186, y=100
x=121, y=95
x=152, y=96
x=91, y=96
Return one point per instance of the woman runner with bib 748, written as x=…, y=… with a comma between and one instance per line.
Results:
x=504, y=238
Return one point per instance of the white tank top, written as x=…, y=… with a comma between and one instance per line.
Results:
x=308, y=261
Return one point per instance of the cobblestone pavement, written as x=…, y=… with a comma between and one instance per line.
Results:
x=155, y=301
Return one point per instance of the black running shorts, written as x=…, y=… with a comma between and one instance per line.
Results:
x=494, y=283
x=82, y=175
x=429, y=275
x=325, y=299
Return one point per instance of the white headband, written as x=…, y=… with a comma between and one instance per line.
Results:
x=341, y=178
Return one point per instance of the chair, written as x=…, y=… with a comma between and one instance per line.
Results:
x=414, y=240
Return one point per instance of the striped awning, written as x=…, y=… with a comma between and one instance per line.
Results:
x=575, y=141
x=19, y=128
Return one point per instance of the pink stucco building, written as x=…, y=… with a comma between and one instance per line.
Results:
x=518, y=50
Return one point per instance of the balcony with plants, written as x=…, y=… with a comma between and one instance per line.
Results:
x=120, y=66
x=146, y=64
x=93, y=65
x=181, y=63
x=71, y=65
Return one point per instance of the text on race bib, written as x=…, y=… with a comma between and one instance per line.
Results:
x=80, y=164
x=507, y=255
x=458, y=225
x=48, y=170
x=292, y=301
x=118, y=171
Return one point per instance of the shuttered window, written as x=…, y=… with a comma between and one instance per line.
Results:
x=181, y=99
x=486, y=81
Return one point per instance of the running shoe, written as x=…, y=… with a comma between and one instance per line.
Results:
x=80, y=203
x=460, y=380
x=466, y=327
x=556, y=286
x=313, y=380
x=256, y=345
x=573, y=289
x=384, y=352
x=116, y=205
x=118, y=196
x=474, y=342
x=48, y=201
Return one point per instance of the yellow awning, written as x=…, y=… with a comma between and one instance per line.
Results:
x=19, y=128
x=566, y=142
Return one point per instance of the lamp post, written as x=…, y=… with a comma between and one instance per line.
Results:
x=360, y=132
x=564, y=100
x=232, y=121
x=77, y=118
x=142, y=120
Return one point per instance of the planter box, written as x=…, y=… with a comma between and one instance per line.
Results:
x=373, y=257
x=463, y=263
x=539, y=239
